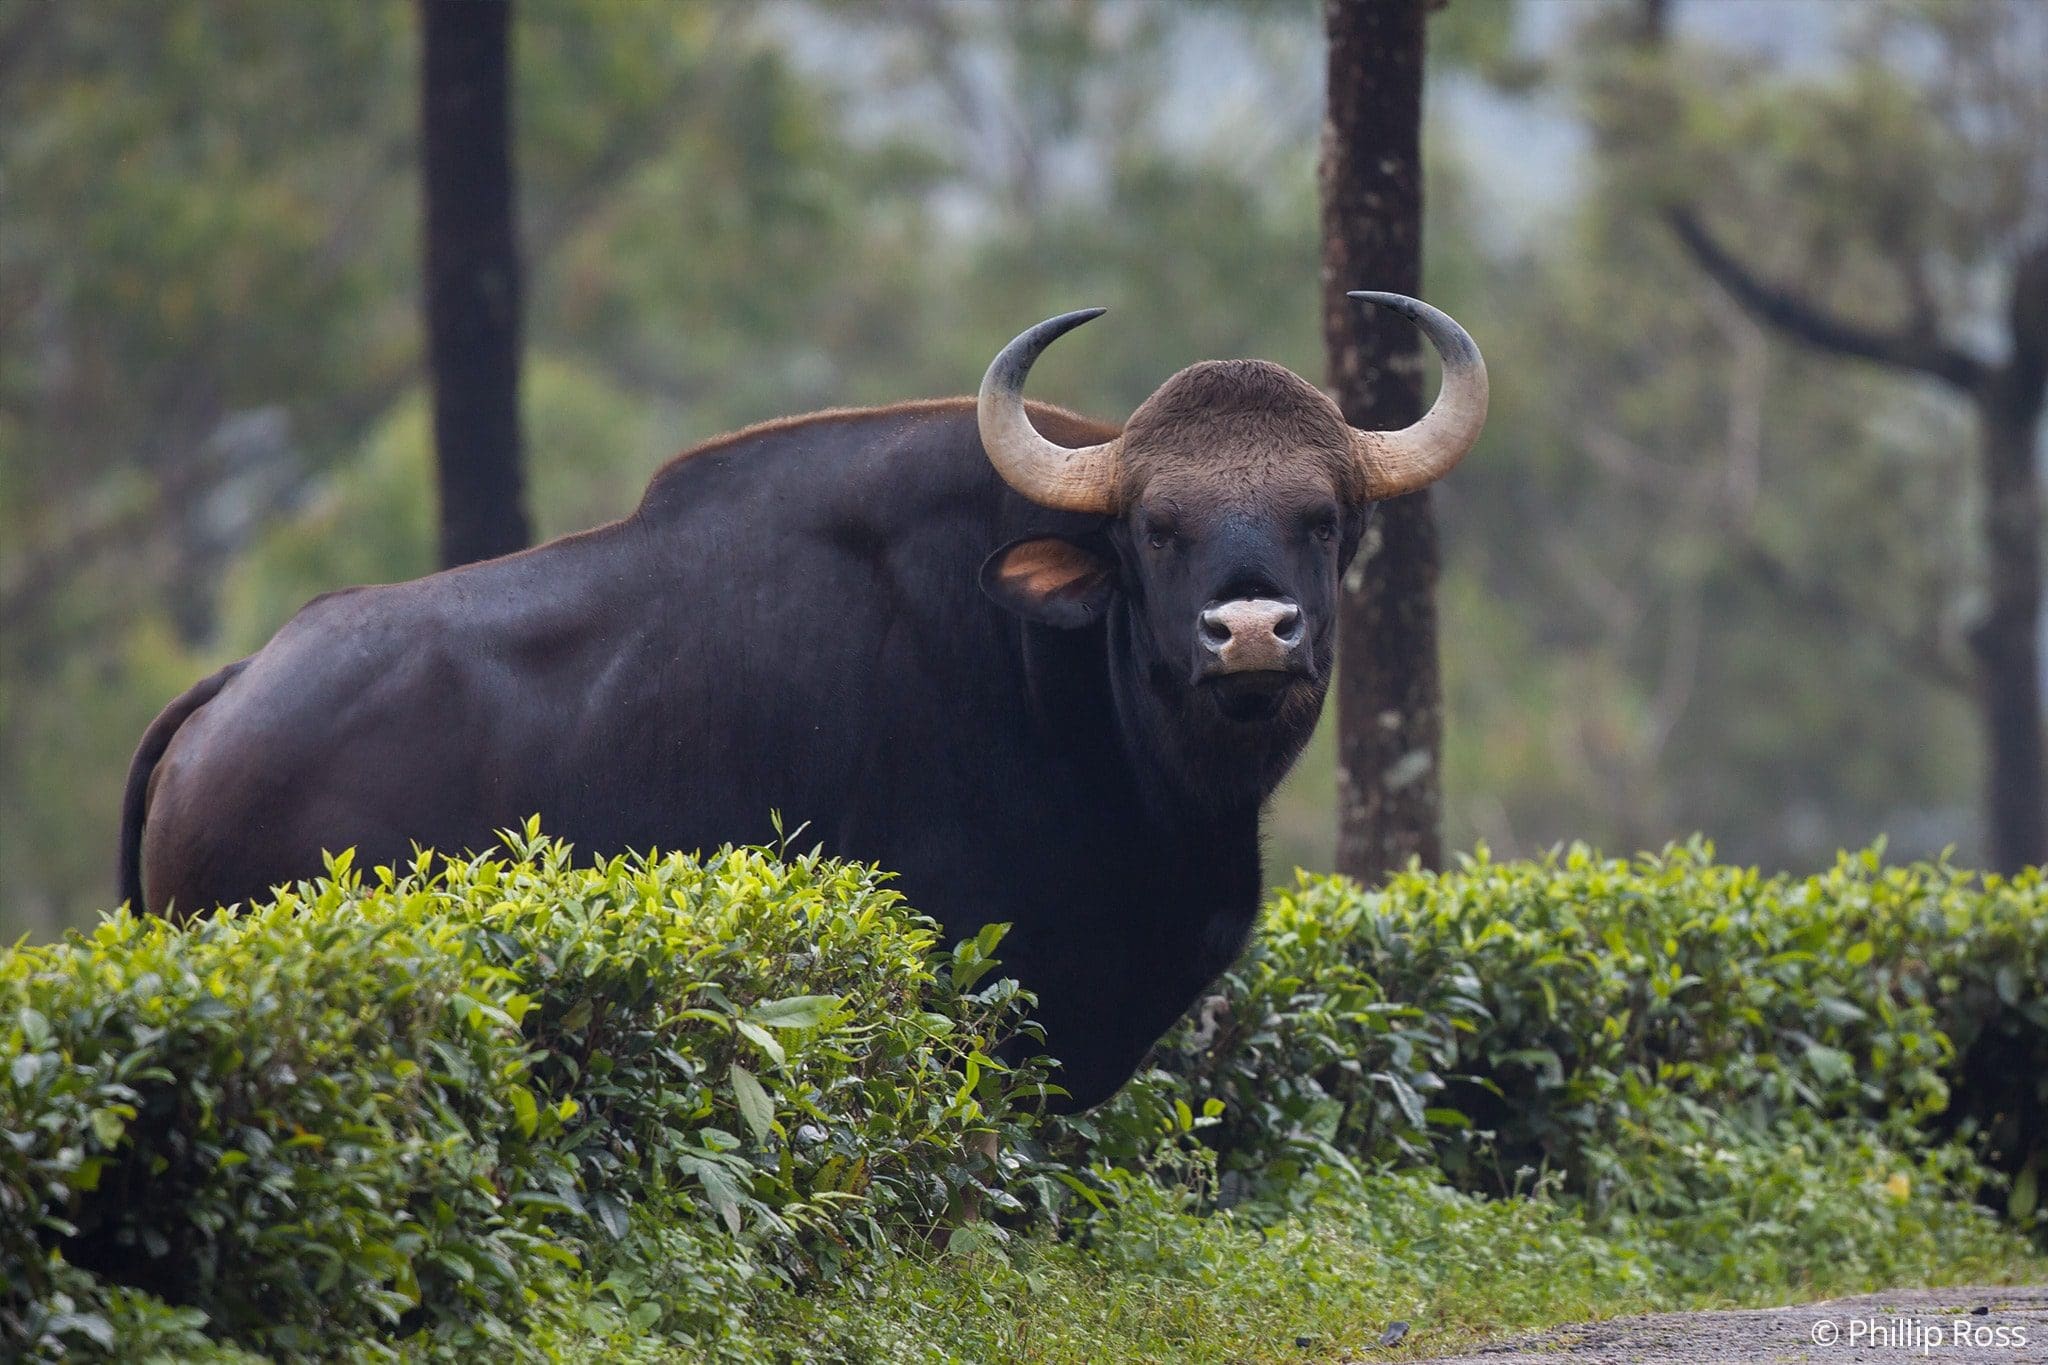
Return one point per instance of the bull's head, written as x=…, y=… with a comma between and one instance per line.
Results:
x=1231, y=504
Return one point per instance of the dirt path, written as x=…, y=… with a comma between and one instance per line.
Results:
x=1974, y=1326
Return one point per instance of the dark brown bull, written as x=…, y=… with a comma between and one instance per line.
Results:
x=1045, y=670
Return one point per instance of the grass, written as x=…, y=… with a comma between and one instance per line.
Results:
x=1152, y=1282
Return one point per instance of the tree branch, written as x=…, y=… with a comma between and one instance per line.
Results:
x=1812, y=325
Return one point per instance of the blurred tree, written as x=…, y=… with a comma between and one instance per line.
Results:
x=1916, y=179
x=472, y=276
x=200, y=269
x=1389, y=694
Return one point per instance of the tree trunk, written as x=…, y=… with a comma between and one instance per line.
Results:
x=2007, y=642
x=1389, y=691
x=472, y=277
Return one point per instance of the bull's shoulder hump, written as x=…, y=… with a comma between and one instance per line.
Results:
x=837, y=427
x=357, y=618
x=365, y=623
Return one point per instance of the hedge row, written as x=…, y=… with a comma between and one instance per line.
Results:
x=398, y=1107
x=416, y=1107
x=1509, y=1019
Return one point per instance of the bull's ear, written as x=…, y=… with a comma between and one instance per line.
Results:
x=1052, y=581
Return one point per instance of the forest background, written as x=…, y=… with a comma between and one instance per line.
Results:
x=1710, y=569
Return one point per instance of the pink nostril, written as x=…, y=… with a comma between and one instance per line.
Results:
x=1245, y=631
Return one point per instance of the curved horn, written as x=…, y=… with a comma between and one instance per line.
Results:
x=1083, y=480
x=1397, y=462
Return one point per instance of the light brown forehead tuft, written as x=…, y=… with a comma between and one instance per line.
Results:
x=1247, y=423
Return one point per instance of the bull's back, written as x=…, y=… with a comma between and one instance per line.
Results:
x=789, y=624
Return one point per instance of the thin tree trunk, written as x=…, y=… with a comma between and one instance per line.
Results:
x=2007, y=642
x=472, y=277
x=1389, y=691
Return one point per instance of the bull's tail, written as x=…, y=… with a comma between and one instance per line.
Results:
x=135, y=800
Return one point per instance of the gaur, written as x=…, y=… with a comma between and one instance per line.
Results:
x=1044, y=669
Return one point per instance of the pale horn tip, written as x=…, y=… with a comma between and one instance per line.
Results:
x=1452, y=342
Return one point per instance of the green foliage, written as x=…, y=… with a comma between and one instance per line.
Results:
x=1721, y=1206
x=1151, y=1279
x=780, y=1048
x=298, y=1119
x=734, y=1107
x=1515, y=1018
x=410, y=1106
x=1154, y=1282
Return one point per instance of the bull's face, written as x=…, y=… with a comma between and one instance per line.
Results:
x=1233, y=545
x=1239, y=508
x=1231, y=503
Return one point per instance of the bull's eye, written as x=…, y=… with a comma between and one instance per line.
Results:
x=1161, y=537
x=1325, y=532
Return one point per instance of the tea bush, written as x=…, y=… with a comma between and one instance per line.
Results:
x=411, y=1105
x=1507, y=1019
x=299, y=1120
x=679, y=1108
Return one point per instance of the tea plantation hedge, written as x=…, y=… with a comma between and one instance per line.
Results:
x=434, y=1109
x=401, y=1106
x=1558, y=1015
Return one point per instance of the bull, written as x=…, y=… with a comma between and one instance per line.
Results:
x=1044, y=669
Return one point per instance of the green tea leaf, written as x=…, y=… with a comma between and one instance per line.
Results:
x=755, y=1106
x=797, y=1011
